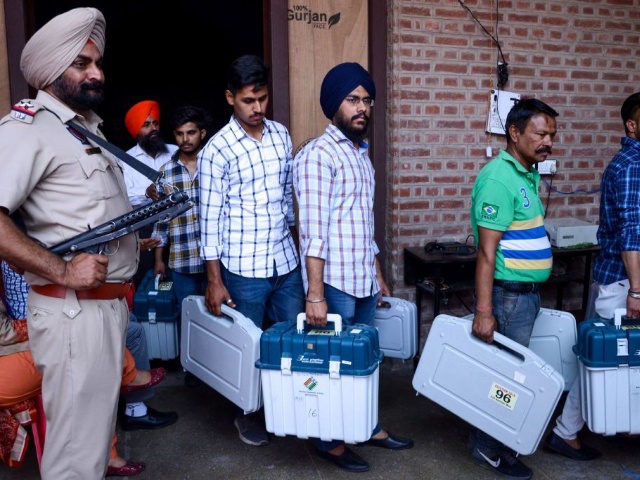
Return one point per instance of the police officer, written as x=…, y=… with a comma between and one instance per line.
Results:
x=60, y=183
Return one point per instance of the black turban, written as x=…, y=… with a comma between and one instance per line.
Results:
x=339, y=82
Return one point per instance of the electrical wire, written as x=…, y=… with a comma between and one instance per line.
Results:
x=546, y=208
x=492, y=37
x=551, y=188
x=571, y=192
x=466, y=240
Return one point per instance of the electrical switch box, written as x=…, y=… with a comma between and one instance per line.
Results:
x=500, y=104
x=548, y=167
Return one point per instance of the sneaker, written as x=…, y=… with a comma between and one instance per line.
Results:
x=251, y=430
x=504, y=463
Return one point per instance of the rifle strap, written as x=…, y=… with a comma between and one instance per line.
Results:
x=134, y=163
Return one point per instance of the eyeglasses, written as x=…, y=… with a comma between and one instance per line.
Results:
x=355, y=100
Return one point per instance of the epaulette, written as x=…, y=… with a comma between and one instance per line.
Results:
x=25, y=110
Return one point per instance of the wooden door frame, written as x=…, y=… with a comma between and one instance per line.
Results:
x=277, y=41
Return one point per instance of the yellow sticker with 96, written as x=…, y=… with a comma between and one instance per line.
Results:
x=503, y=396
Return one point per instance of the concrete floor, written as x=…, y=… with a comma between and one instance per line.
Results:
x=204, y=444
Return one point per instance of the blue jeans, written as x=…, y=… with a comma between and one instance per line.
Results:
x=277, y=298
x=352, y=310
x=137, y=345
x=185, y=284
x=515, y=314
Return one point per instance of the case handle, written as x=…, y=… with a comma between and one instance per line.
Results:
x=331, y=317
x=385, y=303
x=618, y=313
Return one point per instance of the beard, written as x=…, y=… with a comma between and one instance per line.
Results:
x=353, y=133
x=85, y=96
x=152, y=143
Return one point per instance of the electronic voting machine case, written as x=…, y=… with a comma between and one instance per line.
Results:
x=397, y=325
x=504, y=389
x=156, y=308
x=222, y=351
x=609, y=361
x=553, y=337
x=320, y=382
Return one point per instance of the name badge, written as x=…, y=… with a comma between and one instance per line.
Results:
x=93, y=150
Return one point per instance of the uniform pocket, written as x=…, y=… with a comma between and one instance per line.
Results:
x=100, y=175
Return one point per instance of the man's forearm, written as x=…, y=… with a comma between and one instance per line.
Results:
x=484, y=281
x=21, y=251
x=631, y=260
x=315, y=276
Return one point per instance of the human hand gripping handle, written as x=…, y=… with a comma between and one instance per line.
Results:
x=633, y=307
x=332, y=317
x=385, y=291
x=85, y=271
x=316, y=311
x=484, y=324
x=215, y=295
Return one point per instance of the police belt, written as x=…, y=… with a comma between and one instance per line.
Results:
x=518, y=287
x=106, y=291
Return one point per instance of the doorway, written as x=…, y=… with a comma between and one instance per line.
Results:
x=172, y=52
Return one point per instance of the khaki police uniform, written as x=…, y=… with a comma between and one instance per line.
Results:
x=62, y=185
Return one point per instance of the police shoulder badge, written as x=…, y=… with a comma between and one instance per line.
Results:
x=25, y=110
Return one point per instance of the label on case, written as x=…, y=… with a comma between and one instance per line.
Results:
x=503, y=396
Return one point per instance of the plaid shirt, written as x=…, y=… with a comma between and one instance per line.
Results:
x=334, y=184
x=619, y=229
x=182, y=233
x=246, y=201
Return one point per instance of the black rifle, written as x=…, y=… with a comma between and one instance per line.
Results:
x=95, y=239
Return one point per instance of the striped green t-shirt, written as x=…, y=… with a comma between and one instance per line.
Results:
x=505, y=197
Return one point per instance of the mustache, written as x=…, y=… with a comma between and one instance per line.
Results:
x=544, y=149
x=359, y=116
x=92, y=86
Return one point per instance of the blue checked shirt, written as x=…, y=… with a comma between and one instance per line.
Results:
x=16, y=290
x=334, y=185
x=181, y=233
x=619, y=229
x=246, y=200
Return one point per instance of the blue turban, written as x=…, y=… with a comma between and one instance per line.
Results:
x=339, y=82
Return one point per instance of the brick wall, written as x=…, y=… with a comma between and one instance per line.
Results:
x=578, y=56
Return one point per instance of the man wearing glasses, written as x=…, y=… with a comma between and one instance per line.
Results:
x=333, y=180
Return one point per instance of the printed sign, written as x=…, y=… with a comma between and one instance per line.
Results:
x=503, y=396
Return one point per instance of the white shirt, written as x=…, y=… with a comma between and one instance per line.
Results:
x=136, y=182
x=246, y=202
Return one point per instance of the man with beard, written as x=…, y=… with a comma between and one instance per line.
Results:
x=334, y=184
x=247, y=219
x=514, y=253
x=60, y=183
x=143, y=123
